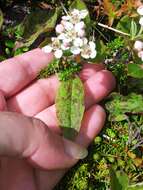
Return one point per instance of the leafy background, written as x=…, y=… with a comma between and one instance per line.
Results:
x=116, y=156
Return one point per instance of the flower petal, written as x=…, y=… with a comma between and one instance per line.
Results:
x=140, y=10
x=58, y=53
x=92, y=45
x=93, y=54
x=83, y=13
x=75, y=50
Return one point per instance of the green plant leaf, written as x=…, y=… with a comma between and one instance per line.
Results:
x=124, y=24
x=133, y=30
x=101, y=51
x=1, y=18
x=70, y=106
x=136, y=187
x=80, y=5
x=38, y=22
x=119, y=180
x=119, y=105
x=135, y=70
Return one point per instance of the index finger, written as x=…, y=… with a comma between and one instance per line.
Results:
x=17, y=72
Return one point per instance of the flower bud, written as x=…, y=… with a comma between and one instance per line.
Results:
x=59, y=28
x=138, y=45
x=140, y=10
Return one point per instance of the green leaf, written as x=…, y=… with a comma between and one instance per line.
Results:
x=136, y=187
x=133, y=30
x=119, y=180
x=1, y=19
x=101, y=51
x=118, y=105
x=80, y=5
x=38, y=22
x=124, y=24
x=70, y=106
x=135, y=70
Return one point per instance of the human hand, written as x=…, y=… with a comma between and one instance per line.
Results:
x=30, y=138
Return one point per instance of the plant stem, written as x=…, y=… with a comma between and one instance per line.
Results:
x=113, y=29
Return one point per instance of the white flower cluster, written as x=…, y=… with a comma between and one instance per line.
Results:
x=138, y=46
x=140, y=12
x=71, y=37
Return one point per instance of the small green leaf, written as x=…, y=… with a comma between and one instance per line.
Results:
x=133, y=30
x=119, y=180
x=80, y=5
x=101, y=51
x=70, y=106
x=9, y=43
x=135, y=70
x=1, y=19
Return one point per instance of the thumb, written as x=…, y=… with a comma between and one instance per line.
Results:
x=30, y=138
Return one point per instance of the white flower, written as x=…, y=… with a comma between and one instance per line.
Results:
x=81, y=33
x=75, y=50
x=140, y=54
x=65, y=46
x=78, y=42
x=79, y=13
x=141, y=21
x=67, y=25
x=83, y=13
x=88, y=50
x=47, y=49
x=66, y=17
x=59, y=28
x=138, y=45
x=79, y=26
x=140, y=10
x=58, y=53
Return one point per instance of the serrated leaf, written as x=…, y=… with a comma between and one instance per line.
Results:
x=80, y=5
x=119, y=180
x=1, y=18
x=70, y=106
x=38, y=22
x=135, y=70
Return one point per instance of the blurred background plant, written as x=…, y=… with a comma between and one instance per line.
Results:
x=27, y=24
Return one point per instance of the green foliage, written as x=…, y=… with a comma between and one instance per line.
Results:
x=70, y=106
x=119, y=180
x=119, y=106
x=38, y=22
x=135, y=70
x=1, y=19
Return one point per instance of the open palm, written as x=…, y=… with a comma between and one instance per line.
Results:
x=21, y=92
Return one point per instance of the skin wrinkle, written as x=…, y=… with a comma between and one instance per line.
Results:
x=35, y=123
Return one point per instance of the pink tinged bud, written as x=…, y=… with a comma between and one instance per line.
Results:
x=81, y=33
x=79, y=26
x=59, y=28
x=138, y=45
x=140, y=10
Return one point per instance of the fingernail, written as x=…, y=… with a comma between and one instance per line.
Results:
x=74, y=150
